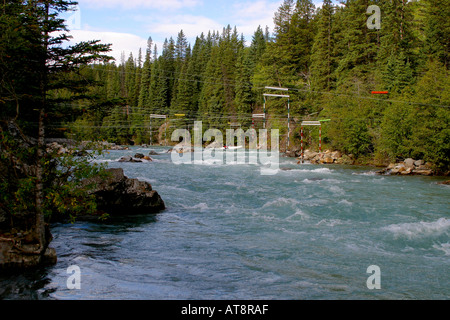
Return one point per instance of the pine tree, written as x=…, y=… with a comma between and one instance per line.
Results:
x=137, y=80
x=144, y=97
x=356, y=45
x=195, y=71
x=212, y=98
x=167, y=75
x=302, y=34
x=396, y=58
x=257, y=47
x=130, y=79
x=322, y=59
x=244, y=95
x=286, y=59
x=437, y=30
x=158, y=90
x=112, y=82
x=431, y=138
x=398, y=73
x=182, y=55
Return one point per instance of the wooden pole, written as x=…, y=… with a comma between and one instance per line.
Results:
x=302, y=154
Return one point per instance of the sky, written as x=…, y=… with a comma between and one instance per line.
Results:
x=127, y=24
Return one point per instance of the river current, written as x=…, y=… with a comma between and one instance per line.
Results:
x=229, y=232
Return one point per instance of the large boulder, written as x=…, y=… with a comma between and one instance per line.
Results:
x=19, y=251
x=129, y=159
x=309, y=155
x=118, y=194
x=409, y=163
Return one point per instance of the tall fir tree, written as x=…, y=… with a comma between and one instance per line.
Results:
x=437, y=30
x=144, y=92
x=322, y=58
x=244, y=98
x=356, y=46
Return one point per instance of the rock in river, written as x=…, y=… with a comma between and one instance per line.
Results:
x=128, y=159
x=118, y=194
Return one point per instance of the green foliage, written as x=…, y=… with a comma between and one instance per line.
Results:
x=328, y=58
x=66, y=194
x=349, y=131
x=436, y=30
x=43, y=82
x=322, y=59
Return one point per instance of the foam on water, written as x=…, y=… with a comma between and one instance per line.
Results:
x=369, y=173
x=345, y=202
x=336, y=190
x=151, y=181
x=298, y=214
x=320, y=170
x=419, y=229
x=281, y=201
x=330, y=222
x=444, y=247
x=307, y=232
x=199, y=206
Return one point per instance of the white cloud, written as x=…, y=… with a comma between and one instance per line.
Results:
x=140, y=4
x=246, y=16
x=192, y=26
x=256, y=9
x=251, y=14
x=121, y=42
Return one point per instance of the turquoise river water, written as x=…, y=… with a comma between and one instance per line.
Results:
x=308, y=232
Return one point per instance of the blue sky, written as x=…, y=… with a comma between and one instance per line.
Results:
x=127, y=24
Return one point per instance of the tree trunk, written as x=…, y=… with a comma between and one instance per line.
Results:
x=39, y=231
x=40, y=219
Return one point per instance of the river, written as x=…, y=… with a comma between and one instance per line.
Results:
x=229, y=232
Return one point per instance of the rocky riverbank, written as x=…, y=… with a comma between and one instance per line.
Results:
x=408, y=167
x=117, y=194
x=327, y=157
x=68, y=146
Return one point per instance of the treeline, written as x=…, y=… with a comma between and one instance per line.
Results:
x=210, y=81
x=328, y=58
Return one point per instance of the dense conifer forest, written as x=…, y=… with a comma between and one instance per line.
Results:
x=328, y=58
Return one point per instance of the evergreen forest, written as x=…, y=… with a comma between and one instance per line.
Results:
x=328, y=58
